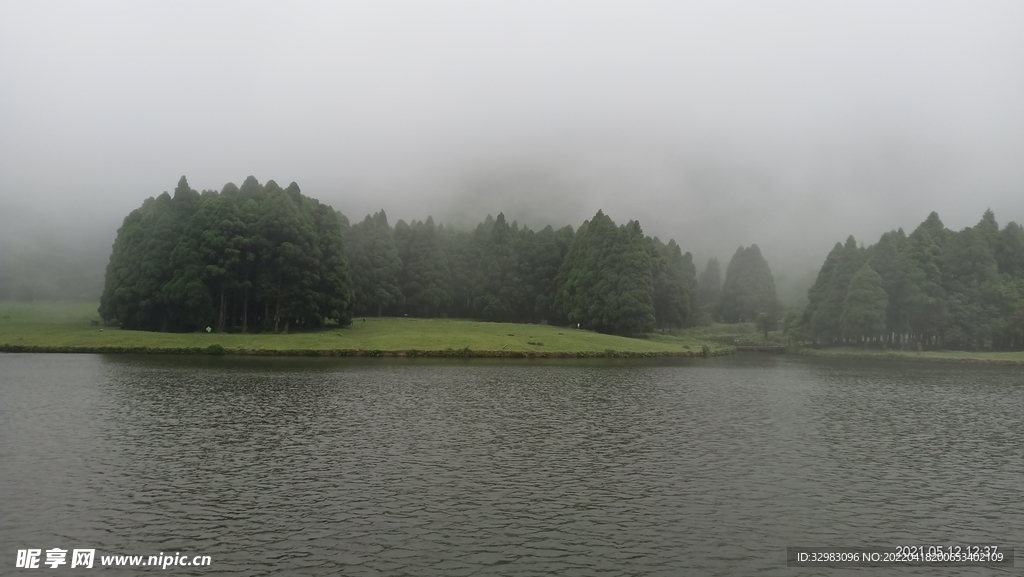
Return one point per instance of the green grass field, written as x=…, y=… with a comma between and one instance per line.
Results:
x=1016, y=357
x=60, y=327
x=741, y=334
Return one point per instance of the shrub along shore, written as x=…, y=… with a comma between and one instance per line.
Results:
x=68, y=328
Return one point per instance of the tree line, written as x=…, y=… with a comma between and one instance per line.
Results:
x=265, y=258
x=937, y=287
x=603, y=277
x=747, y=295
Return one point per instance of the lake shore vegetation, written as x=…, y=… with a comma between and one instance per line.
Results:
x=934, y=289
x=69, y=327
x=260, y=258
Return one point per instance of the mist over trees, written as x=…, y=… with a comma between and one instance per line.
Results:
x=265, y=258
x=49, y=271
x=262, y=258
x=749, y=288
x=709, y=284
x=937, y=287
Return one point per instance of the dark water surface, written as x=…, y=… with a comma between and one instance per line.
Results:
x=376, y=467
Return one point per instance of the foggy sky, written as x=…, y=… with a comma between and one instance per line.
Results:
x=788, y=124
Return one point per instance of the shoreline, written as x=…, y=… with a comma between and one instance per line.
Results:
x=409, y=353
x=955, y=357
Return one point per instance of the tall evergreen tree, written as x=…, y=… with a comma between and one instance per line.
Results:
x=672, y=287
x=498, y=294
x=375, y=266
x=141, y=264
x=749, y=288
x=709, y=284
x=885, y=259
x=541, y=254
x=864, y=307
x=462, y=252
x=334, y=293
x=827, y=295
x=927, y=306
x=1009, y=251
x=605, y=282
x=426, y=279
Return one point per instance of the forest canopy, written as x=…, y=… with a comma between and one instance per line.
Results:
x=935, y=286
x=262, y=258
x=250, y=257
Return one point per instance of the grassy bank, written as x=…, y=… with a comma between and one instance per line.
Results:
x=1006, y=358
x=66, y=327
x=735, y=334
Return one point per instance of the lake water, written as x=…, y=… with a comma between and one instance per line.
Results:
x=384, y=467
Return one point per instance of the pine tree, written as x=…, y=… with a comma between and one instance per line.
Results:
x=375, y=266
x=193, y=261
x=827, y=298
x=884, y=258
x=864, y=307
x=605, y=282
x=671, y=294
x=425, y=280
x=709, y=285
x=497, y=289
x=749, y=288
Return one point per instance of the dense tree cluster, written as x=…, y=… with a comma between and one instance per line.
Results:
x=255, y=257
x=747, y=295
x=498, y=272
x=616, y=280
x=604, y=277
x=259, y=257
x=944, y=289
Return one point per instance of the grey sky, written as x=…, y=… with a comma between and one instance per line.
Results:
x=789, y=124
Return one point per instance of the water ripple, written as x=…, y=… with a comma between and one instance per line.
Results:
x=487, y=468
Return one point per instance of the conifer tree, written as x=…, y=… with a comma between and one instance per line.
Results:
x=749, y=288
x=497, y=291
x=864, y=306
x=943, y=289
x=709, y=285
x=426, y=279
x=221, y=260
x=375, y=266
x=672, y=289
x=827, y=298
x=605, y=282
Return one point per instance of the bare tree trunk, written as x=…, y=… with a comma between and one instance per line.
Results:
x=277, y=311
x=277, y=314
x=245, y=311
x=220, y=317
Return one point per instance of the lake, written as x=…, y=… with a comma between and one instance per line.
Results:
x=490, y=467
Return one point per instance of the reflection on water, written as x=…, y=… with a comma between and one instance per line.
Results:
x=376, y=467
